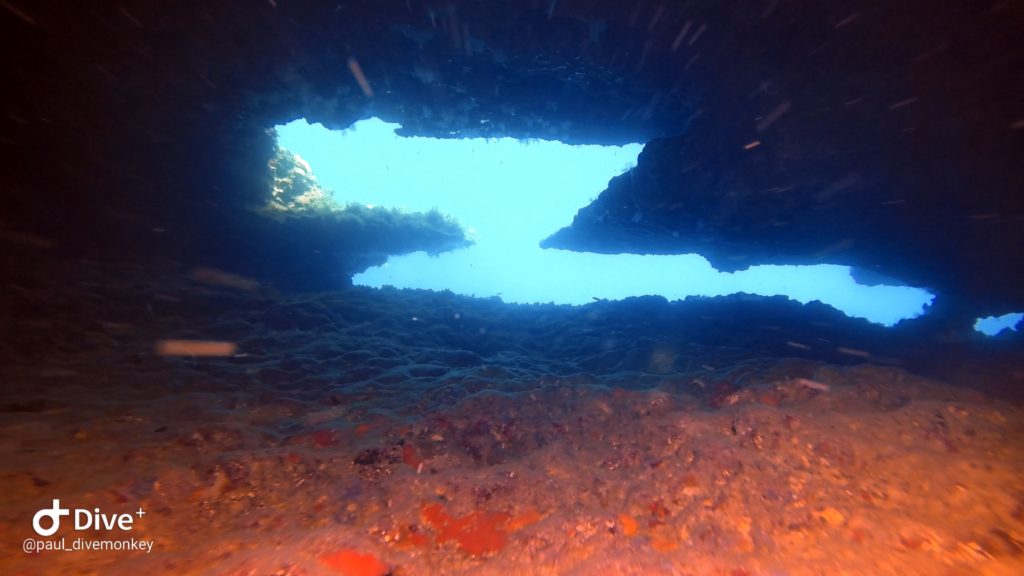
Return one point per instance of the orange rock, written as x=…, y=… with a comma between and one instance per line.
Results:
x=477, y=533
x=353, y=563
x=523, y=520
x=629, y=524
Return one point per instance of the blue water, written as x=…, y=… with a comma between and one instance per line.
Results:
x=993, y=325
x=511, y=194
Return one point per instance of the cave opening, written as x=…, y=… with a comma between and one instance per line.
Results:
x=510, y=194
x=995, y=325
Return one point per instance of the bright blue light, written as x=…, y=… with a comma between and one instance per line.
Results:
x=993, y=325
x=512, y=194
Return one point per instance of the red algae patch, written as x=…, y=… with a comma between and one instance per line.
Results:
x=354, y=563
x=478, y=533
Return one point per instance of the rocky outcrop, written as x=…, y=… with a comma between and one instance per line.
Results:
x=885, y=135
x=333, y=241
x=295, y=187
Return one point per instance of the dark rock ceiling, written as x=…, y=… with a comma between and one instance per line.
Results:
x=885, y=135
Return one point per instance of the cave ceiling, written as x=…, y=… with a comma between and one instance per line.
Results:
x=877, y=134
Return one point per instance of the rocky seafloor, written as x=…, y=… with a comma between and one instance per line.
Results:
x=364, y=432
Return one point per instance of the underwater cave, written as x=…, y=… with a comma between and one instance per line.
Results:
x=512, y=287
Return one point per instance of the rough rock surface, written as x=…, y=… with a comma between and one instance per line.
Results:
x=411, y=432
x=881, y=134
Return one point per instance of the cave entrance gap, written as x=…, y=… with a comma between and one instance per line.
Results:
x=511, y=194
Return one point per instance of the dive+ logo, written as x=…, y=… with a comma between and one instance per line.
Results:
x=83, y=519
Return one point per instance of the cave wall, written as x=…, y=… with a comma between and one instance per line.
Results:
x=883, y=136
x=879, y=134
